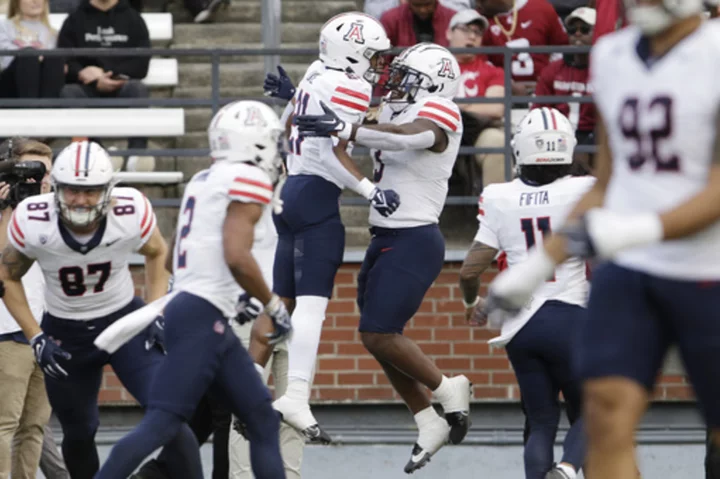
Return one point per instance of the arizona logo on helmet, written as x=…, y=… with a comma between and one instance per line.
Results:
x=355, y=34
x=255, y=117
x=446, y=69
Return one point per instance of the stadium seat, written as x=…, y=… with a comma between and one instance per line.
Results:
x=160, y=25
x=163, y=72
x=92, y=122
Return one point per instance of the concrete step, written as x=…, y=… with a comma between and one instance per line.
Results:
x=220, y=35
x=297, y=59
x=354, y=215
x=293, y=11
x=232, y=74
x=194, y=139
x=357, y=236
x=225, y=92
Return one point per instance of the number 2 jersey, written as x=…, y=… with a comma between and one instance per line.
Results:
x=515, y=217
x=199, y=265
x=86, y=277
x=420, y=177
x=349, y=97
x=661, y=122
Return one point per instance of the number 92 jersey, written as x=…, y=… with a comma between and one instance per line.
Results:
x=85, y=277
x=199, y=265
x=661, y=122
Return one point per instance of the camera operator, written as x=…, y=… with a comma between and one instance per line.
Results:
x=24, y=407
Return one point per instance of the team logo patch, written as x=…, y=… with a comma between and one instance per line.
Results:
x=539, y=143
x=323, y=45
x=446, y=69
x=355, y=34
x=43, y=239
x=495, y=29
x=255, y=117
x=561, y=145
x=219, y=327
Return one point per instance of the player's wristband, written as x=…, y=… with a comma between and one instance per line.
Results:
x=473, y=304
x=346, y=131
x=365, y=188
x=272, y=305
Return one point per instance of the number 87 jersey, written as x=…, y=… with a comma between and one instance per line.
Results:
x=87, y=276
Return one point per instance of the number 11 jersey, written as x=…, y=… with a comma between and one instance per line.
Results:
x=85, y=277
x=514, y=217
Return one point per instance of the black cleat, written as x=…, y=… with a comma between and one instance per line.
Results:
x=316, y=435
x=418, y=459
x=459, y=425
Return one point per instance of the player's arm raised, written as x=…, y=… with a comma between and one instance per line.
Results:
x=155, y=251
x=13, y=267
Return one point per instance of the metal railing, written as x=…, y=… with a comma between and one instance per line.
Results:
x=215, y=101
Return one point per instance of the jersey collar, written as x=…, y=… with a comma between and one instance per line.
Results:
x=75, y=245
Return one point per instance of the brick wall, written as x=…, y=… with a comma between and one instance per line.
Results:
x=346, y=372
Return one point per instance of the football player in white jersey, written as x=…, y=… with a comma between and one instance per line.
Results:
x=653, y=212
x=416, y=142
x=513, y=218
x=82, y=236
x=213, y=264
x=311, y=236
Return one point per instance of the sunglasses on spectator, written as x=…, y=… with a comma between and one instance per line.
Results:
x=468, y=29
x=583, y=29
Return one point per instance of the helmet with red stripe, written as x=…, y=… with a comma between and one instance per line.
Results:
x=544, y=137
x=248, y=132
x=422, y=70
x=354, y=42
x=82, y=177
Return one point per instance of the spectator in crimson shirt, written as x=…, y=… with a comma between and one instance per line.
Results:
x=482, y=122
x=417, y=21
x=522, y=23
x=570, y=77
x=610, y=17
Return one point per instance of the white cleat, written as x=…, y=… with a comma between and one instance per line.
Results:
x=297, y=414
x=457, y=410
x=430, y=439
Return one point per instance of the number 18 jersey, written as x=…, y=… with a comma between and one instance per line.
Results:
x=85, y=277
x=661, y=122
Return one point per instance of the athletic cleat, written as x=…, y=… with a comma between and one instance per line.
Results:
x=556, y=473
x=298, y=415
x=434, y=436
x=457, y=411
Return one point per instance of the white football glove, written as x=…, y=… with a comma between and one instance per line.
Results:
x=513, y=288
x=602, y=233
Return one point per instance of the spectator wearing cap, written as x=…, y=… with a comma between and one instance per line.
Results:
x=570, y=77
x=478, y=79
x=417, y=21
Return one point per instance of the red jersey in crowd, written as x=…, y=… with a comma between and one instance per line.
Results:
x=537, y=24
x=561, y=79
x=609, y=17
x=477, y=76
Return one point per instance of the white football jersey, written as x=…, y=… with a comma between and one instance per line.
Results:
x=420, y=177
x=199, y=256
x=514, y=217
x=85, y=279
x=347, y=95
x=661, y=124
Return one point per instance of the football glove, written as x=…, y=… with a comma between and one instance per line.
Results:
x=279, y=86
x=46, y=353
x=323, y=125
x=281, y=320
x=385, y=202
x=155, y=335
x=247, y=309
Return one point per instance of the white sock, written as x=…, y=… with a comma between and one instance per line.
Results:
x=298, y=389
x=568, y=470
x=307, y=320
x=444, y=391
x=425, y=417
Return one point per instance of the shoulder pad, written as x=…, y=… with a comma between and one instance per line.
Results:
x=441, y=111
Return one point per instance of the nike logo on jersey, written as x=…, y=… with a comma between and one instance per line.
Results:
x=526, y=24
x=110, y=243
